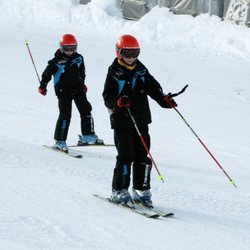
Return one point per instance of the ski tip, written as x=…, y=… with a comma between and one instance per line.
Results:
x=78, y=156
x=153, y=216
x=168, y=215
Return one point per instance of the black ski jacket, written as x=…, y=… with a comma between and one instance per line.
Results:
x=137, y=84
x=68, y=73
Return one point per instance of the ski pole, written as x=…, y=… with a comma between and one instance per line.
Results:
x=33, y=62
x=144, y=144
x=202, y=143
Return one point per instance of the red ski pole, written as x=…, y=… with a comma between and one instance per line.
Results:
x=33, y=62
x=144, y=144
x=202, y=143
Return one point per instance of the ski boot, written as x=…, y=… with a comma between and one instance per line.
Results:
x=122, y=197
x=92, y=139
x=142, y=196
x=61, y=145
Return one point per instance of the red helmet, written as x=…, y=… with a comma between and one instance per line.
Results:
x=126, y=42
x=68, y=42
x=68, y=39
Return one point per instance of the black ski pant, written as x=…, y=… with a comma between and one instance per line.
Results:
x=131, y=151
x=65, y=110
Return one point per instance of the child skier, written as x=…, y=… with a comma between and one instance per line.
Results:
x=127, y=85
x=68, y=70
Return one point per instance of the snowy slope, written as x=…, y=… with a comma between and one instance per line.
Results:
x=46, y=199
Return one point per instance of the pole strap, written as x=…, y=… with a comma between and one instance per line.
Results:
x=178, y=93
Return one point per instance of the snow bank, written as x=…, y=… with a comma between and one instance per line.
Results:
x=203, y=34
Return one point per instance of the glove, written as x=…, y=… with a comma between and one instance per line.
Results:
x=85, y=88
x=123, y=102
x=42, y=90
x=169, y=102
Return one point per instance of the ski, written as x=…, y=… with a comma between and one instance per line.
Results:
x=92, y=145
x=70, y=152
x=158, y=211
x=141, y=211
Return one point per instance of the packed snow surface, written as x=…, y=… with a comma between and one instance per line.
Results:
x=46, y=198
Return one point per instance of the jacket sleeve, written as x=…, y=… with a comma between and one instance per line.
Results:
x=48, y=72
x=110, y=90
x=155, y=90
x=82, y=71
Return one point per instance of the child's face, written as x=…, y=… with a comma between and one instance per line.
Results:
x=130, y=55
x=69, y=52
x=69, y=49
x=129, y=60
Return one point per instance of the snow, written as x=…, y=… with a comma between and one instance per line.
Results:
x=46, y=198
